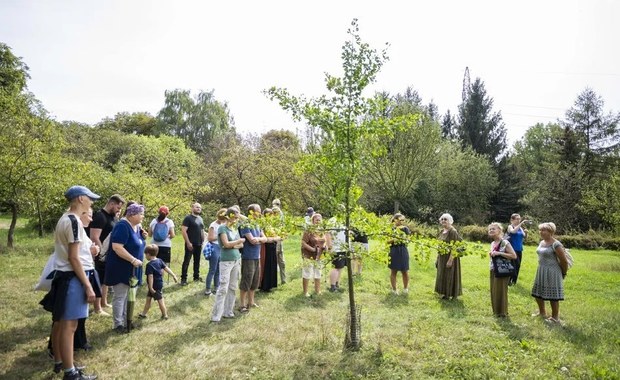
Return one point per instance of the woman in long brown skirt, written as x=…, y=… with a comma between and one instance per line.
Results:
x=448, y=280
x=500, y=248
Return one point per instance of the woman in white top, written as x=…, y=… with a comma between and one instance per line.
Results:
x=213, y=277
x=161, y=230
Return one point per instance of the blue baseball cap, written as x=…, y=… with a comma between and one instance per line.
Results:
x=76, y=191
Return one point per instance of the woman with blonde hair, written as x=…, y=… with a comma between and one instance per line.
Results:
x=230, y=266
x=213, y=276
x=552, y=267
x=313, y=243
x=501, y=250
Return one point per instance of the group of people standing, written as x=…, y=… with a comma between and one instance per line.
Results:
x=506, y=253
x=100, y=251
x=248, y=258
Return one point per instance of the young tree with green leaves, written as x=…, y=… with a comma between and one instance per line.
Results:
x=342, y=120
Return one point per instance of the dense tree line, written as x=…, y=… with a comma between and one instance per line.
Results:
x=420, y=163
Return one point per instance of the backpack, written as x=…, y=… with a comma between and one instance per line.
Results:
x=569, y=258
x=160, y=231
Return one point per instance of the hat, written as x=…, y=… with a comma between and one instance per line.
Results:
x=310, y=211
x=164, y=210
x=76, y=191
x=134, y=209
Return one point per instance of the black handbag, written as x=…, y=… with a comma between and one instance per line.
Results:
x=502, y=267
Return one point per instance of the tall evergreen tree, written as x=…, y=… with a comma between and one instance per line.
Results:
x=598, y=134
x=483, y=130
x=506, y=200
x=479, y=127
x=448, y=126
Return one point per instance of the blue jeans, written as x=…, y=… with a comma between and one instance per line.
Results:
x=213, y=277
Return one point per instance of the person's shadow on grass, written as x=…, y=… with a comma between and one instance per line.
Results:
x=454, y=308
x=395, y=300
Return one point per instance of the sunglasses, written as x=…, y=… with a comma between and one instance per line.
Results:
x=443, y=219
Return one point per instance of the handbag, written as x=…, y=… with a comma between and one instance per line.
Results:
x=208, y=250
x=569, y=258
x=502, y=267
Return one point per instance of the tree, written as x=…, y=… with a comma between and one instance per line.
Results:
x=448, y=126
x=13, y=72
x=478, y=127
x=394, y=167
x=140, y=123
x=258, y=169
x=30, y=154
x=342, y=121
x=604, y=199
x=598, y=133
x=553, y=176
x=461, y=184
x=196, y=120
x=510, y=190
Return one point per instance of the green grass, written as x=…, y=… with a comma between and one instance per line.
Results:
x=291, y=337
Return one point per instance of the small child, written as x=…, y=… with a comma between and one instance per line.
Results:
x=155, y=280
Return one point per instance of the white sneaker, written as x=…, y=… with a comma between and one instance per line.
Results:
x=306, y=294
x=405, y=291
x=395, y=292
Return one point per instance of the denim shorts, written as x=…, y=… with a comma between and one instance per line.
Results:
x=76, y=306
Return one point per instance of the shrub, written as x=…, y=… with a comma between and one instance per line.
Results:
x=422, y=230
x=474, y=233
x=612, y=243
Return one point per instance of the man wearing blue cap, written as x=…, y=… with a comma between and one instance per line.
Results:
x=71, y=289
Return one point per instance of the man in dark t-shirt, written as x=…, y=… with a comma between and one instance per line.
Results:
x=193, y=231
x=101, y=226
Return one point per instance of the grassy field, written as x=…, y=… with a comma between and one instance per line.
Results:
x=291, y=337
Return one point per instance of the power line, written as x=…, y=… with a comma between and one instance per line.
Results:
x=525, y=115
x=527, y=106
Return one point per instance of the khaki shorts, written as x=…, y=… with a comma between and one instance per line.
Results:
x=311, y=269
x=250, y=275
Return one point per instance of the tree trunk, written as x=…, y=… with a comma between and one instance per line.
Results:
x=353, y=343
x=40, y=216
x=396, y=206
x=9, y=240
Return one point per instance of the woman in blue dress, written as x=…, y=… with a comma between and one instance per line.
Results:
x=399, y=255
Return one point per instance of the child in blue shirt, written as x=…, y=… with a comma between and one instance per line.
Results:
x=155, y=280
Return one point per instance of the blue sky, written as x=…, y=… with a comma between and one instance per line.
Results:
x=89, y=60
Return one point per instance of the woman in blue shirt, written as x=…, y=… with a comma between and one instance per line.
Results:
x=125, y=257
x=516, y=236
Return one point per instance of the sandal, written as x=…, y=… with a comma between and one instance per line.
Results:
x=553, y=321
x=142, y=316
x=537, y=314
x=254, y=305
x=243, y=309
